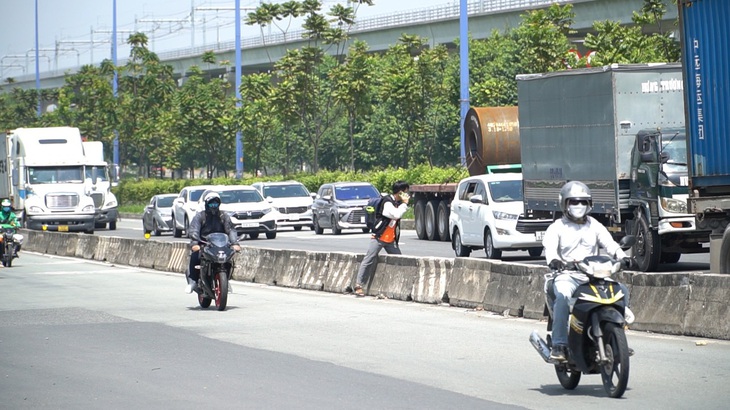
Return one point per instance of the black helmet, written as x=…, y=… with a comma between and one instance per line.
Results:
x=578, y=192
x=212, y=202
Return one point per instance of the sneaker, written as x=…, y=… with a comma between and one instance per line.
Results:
x=359, y=291
x=629, y=316
x=192, y=285
x=557, y=353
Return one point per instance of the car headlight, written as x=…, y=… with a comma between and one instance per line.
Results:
x=504, y=215
x=266, y=210
x=674, y=205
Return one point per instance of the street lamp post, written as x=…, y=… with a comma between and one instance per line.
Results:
x=239, y=139
x=115, y=147
x=464, y=71
x=37, y=68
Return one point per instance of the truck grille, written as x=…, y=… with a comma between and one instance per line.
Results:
x=62, y=200
x=293, y=210
x=98, y=199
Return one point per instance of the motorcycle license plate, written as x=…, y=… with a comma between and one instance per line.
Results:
x=539, y=235
x=62, y=228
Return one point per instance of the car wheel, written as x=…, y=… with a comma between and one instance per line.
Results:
x=297, y=228
x=535, y=252
x=113, y=225
x=315, y=227
x=365, y=230
x=270, y=235
x=254, y=235
x=335, y=228
x=489, y=249
x=176, y=232
x=187, y=227
x=459, y=248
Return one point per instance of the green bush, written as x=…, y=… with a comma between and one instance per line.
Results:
x=134, y=192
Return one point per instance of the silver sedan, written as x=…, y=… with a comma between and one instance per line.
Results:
x=157, y=217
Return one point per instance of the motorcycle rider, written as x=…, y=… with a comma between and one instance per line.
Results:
x=205, y=222
x=7, y=217
x=570, y=239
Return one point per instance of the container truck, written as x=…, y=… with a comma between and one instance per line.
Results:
x=619, y=129
x=704, y=33
x=42, y=173
x=100, y=177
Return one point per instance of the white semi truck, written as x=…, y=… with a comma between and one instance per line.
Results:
x=42, y=172
x=100, y=187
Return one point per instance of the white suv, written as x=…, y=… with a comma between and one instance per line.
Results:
x=292, y=200
x=184, y=208
x=484, y=215
x=250, y=212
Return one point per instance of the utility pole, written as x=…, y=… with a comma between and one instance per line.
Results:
x=463, y=72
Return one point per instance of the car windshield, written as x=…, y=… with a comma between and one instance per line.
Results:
x=196, y=193
x=165, y=201
x=506, y=191
x=347, y=192
x=238, y=196
x=55, y=175
x=285, y=191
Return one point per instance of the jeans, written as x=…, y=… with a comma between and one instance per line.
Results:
x=370, y=261
x=193, y=273
x=564, y=286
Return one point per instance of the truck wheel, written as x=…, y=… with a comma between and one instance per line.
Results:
x=113, y=225
x=419, y=212
x=489, y=249
x=430, y=220
x=670, y=257
x=647, y=249
x=459, y=248
x=442, y=221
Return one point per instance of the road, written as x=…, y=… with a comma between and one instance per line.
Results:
x=355, y=241
x=81, y=334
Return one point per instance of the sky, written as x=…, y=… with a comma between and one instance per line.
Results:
x=80, y=30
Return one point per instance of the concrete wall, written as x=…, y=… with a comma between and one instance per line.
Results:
x=689, y=304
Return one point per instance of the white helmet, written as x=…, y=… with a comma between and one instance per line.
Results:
x=212, y=202
x=576, y=201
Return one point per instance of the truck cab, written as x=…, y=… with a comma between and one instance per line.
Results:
x=100, y=178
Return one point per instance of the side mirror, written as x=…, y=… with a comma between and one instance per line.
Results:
x=627, y=242
x=313, y=195
x=663, y=157
x=476, y=199
x=647, y=157
x=269, y=199
x=327, y=197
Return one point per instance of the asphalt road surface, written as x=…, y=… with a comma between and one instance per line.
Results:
x=79, y=334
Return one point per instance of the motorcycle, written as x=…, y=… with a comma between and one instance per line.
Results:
x=596, y=338
x=7, y=248
x=216, y=268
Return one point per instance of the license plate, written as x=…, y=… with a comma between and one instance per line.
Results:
x=250, y=225
x=362, y=219
x=62, y=228
x=294, y=218
x=539, y=235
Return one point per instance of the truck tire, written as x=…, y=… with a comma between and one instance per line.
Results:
x=647, y=249
x=670, y=257
x=442, y=219
x=419, y=212
x=431, y=220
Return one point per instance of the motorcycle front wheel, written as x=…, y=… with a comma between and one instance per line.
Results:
x=615, y=372
x=220, y=288
x=569, y=379
x=203, y=300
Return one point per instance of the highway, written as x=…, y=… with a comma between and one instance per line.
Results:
x=355, y=241
x=86, y=335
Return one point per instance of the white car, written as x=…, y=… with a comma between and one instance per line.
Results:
x=250, y=212
x=185, y=207
x=292, y=200
x=484, y=215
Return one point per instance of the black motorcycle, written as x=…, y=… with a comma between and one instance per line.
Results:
x=216, y=268
x=7, y=250
x=596, y=338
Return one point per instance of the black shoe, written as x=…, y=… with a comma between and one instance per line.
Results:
x=631, y=352
x=557, y=353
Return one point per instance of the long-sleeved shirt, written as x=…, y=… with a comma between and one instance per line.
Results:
x=571, y=242
x=392, y=214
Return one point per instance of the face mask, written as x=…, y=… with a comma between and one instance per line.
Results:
x=577, y=211
x=6, y=209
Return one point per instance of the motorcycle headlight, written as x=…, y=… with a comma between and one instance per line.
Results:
x=674, y=205
x=504, y=215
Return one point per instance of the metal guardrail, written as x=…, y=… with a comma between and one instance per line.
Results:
x=409, y=17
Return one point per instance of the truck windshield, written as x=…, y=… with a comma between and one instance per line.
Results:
x=675, y=146
x=102, y=173
x=55, y=175
x=506, y=191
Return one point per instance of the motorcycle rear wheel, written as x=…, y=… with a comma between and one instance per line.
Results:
x=220, y=288
x=569, y=379
x=615, y=373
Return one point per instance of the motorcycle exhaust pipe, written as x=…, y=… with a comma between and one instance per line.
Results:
x=540, y=345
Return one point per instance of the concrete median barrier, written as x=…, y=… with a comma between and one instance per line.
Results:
x=690, y=304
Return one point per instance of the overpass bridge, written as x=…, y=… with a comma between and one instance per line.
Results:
x=440, y=25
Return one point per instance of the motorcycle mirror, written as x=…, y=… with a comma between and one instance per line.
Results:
x=627, y=241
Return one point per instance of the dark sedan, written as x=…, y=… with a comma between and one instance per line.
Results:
x=157, y=217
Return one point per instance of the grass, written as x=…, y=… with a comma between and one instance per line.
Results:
x=132, y=208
